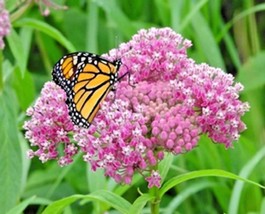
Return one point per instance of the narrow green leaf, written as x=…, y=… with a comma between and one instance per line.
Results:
x=16, y=46
x=92, y=27
x=111, y=199
x=8, y=69
x=206, y=41
x=104, y=196
x=26, y=37
x=60, y=177
x=232, y=50
x=139, y=203
x=47, y=29
x=116, y=16
x=25, y=162
x=96, y=179
x=58, y=206
x=162, y=9
x=10, y=152
x=77, y=24
x=164, y=166
x=184, y=194
x=192, y=13
x=240, y=16
x=201, y=173
x=175, y=12
x=238, y=187
x=24, y=87
x=21, y=206
x=251, y=75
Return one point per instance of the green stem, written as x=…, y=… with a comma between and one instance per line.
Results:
x=16, y=15
x=156, y=202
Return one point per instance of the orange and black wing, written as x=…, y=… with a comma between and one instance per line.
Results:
x=86, y=79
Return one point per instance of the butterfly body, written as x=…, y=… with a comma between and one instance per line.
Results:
x=86, y=78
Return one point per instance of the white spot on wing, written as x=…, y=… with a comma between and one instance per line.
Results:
x=75, y=60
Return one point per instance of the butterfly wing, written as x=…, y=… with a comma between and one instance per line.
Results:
x=87, y=79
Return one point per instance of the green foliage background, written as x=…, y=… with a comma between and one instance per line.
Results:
x=226, y=34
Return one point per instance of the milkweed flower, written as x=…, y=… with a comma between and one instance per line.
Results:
x=49, y=126
x=172, y=102
x=4, y=23
x=208, y=96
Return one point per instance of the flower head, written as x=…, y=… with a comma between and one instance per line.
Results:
x=120, y=147
x=208, y=96
x=173, y=101
x=49, y=125
x=152, y=52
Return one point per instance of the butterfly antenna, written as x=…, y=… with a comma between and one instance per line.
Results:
x=129, y=76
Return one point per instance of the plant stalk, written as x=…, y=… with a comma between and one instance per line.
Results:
x=156, y=202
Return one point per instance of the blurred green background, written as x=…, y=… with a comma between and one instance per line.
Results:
x=227, y=34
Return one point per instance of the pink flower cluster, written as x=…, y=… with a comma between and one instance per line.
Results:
x=172, y=102
x=208, y=96
x=4, y=23
x=50, y=125
x=216, y=99
x=173, y=126
x=121, y=146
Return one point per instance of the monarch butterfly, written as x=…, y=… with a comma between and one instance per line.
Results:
x=86, y=78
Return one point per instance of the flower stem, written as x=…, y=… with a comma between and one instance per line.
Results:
x=23, y=8
x=156, y=201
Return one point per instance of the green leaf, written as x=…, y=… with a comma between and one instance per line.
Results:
x=201, y=173
x=26, y=37
x=21, y=206
x=8, y=69
x=16, y=46
x=117, y=17
x=77, y=24
x=58, y=206
x=192, y=13
x=162, y=9
x=104, y=196
x=92, y=26
x=121, y=189
x=251, y=75
x=24, y=87
x=185, y=193
x=10, y=152
x=239, y=16
x=47, y=182
x=25, y=162
x=238, y=187
x=47, y=29
x=11, y=4
x=96, y=179
x=176, y=8
x=206, y=41
x=139, y=203
x=164, y=166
